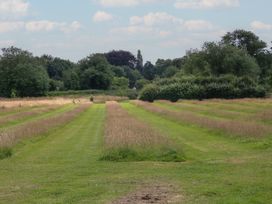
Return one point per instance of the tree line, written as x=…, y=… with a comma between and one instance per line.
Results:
x=240, y=65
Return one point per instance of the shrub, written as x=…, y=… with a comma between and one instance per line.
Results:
x=138, y=154
x=149, y=93
x=227, y=87
x=5, y=152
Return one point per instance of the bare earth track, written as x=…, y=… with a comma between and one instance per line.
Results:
x=155, y=193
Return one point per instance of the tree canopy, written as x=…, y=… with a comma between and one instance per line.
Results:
x=239, y=55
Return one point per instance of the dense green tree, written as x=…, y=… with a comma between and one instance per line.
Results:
x=21, y=74
x=71, y=80
x=56, y=85
x=140, y=62
x=55, y=66
x=245, y=40
x=220, y=59
x=120, y=83
x=149, y=71
x=132, y=75
x=95, y=72
x=121, y=58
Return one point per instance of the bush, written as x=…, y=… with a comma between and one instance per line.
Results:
x=5, y=152
x=162, y=154
x=149, y=93
x=227, y=87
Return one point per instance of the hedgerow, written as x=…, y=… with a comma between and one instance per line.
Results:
x=227, y=87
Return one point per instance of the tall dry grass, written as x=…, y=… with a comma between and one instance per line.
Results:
x=125, y=130
x=25, y=114
x=127, y=138
x=232, y=127
x=11, y=136
x=30, y=102
x=105, y=98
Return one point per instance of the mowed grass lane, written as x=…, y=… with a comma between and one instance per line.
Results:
x=63, y=167
x=219, y=169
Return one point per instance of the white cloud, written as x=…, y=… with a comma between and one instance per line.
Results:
x=74, y=26
x=126, y=3
x=13, y=7
x=133, y=29
x=152, y=19
x=162, y=19
x=198, y=25
x=101, y=16
x=37, y=26
x=115, y=3
x=258, y=25
x=205, y=4
x=7, y=26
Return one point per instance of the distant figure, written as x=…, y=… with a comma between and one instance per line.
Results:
x=91, y=98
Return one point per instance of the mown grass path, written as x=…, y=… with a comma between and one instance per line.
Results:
x=62, y=166
x=48, y=169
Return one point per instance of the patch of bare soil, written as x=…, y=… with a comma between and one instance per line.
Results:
x=157, y=193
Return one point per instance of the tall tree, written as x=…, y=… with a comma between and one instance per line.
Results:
x=149, y=71
x=140, y=62
x=95, y=72
x=245, y=40
x=121, y=58
x=21, y=74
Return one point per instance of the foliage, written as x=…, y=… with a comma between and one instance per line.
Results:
x=162, y=154
x=96, y=73
x=21, y=74
x=220, y=59
x=120, y=83
x=149, y=93
x=149, y=71
x=55, y=66
x=55, y=85
x=245, y=40
x=202, y=88
x=121, y=58
x=141, y=83
x=239, y=53
x=71, y=80
x=5, y=152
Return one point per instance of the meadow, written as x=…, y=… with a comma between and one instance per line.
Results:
x=72, y=150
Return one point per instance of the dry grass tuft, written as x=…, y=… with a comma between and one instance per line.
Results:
x=240, y=128
x=30, y=102
x=24, y=114
x=125, y=130
x=127, y=138
x=11, y=136
x=104, y=98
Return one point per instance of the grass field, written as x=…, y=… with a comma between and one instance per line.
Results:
x=226, y=150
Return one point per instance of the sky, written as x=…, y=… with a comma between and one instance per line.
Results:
x=73, y=29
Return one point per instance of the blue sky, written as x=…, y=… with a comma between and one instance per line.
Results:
x=160, y=28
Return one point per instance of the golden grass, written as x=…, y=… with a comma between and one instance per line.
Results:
x=11, y=136
x=104, y=98
x=232, y=127
x=21, y=115
x=30, y=102
x=129, y=139
x=123, y=130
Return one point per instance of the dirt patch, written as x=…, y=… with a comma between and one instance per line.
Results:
x=159, y=193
